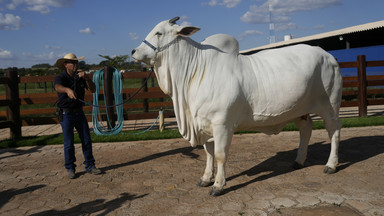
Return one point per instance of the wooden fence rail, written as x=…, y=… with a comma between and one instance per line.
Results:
x=147, y=103
x=362, y=84
x=12, y=102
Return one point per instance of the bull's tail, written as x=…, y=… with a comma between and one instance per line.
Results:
x=333, y=82
x=333, y=85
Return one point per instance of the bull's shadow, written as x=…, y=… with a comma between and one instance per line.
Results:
x=351, y=151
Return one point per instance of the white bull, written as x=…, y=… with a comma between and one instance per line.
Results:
x=216, y=91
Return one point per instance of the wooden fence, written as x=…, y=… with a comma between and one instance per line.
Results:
x=364, y=84
x=151, y=99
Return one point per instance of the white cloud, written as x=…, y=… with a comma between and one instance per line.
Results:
x=13, y=5
x=133, y=36
x=42, y=6
x=293, y=6
x=184, y=21
x=39, y=8
x=285, y=26
x=9, y=22
x=44, y=57
x=249, y=33
x=50, y=47
x=86, y=31
x=282, y=10
x=226, y=3
x=5, y=54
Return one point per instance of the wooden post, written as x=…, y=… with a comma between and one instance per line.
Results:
x=145, y=89
x=108, y=91
x=161, y=120
x=13, y=110
x=145, y=100
x=362, y=80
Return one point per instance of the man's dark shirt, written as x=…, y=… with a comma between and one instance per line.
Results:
x=67, y=81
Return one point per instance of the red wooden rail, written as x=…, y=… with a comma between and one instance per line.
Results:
x=17, y=117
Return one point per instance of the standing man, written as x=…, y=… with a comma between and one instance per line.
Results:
x=70, y=86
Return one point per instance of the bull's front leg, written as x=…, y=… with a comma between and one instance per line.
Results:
x=223, y=137
x=207, y=178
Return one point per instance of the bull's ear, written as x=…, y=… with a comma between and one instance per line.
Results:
x=187, y=31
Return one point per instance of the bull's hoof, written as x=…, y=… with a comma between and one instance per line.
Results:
x=297, y=166
x=204, y=183
x=215, y=192
x=329, y=170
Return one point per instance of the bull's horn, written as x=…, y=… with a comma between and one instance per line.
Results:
x=173, y=21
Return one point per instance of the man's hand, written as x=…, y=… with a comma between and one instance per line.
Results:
x=91, y=86
x=61, y=89
x=81, y=74
x=70, y=93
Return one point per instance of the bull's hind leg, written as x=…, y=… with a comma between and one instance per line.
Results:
x=304, y=124
x=207, y=178
x=333, y=126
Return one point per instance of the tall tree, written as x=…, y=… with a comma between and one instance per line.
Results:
x=117, y=61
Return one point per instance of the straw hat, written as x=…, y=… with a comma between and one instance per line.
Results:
x=67, y=57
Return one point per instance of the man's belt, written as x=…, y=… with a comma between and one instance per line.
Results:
x=72, y=110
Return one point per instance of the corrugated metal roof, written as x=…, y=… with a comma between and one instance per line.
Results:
x=340, y=32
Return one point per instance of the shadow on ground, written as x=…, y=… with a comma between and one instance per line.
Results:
x=90, y=207
x=351, y=151
x=7, y=195
x=19, y=152
x=187, y=151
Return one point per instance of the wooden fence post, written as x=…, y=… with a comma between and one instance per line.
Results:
x=145, y=89
x=13, y=110
x=161, y=120
x=108, y=91
x=362, y=80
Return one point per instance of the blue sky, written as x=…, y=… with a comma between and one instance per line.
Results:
x=41, y=31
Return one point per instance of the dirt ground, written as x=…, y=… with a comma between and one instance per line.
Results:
x=160, y=178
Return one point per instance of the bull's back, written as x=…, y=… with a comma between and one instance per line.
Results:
x=282, y=83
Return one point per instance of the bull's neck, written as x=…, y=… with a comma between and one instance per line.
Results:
x=176, y=65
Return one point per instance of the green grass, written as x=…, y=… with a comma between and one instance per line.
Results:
x=168, y=134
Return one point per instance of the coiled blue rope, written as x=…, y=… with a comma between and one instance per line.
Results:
x=98, y=127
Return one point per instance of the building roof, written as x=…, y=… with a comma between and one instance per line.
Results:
x=370, y=34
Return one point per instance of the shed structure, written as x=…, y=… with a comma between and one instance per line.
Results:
x=369, y=34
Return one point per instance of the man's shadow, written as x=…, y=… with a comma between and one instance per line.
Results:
x=99, y=207
x=19, y=152
x=351, y=151
x=7, y=195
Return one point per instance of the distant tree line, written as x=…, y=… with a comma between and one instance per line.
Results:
x=120, y=62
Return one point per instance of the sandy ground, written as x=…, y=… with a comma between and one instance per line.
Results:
x=160, y=178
